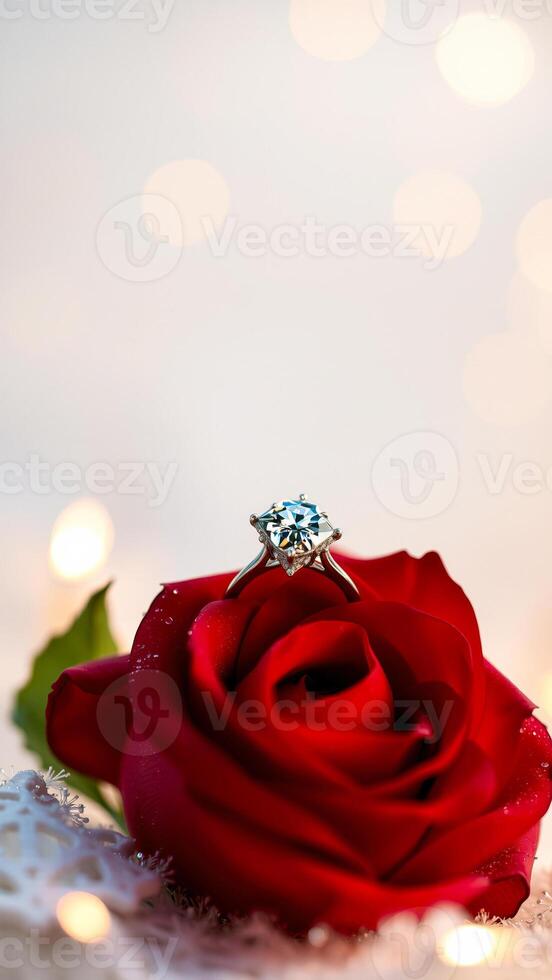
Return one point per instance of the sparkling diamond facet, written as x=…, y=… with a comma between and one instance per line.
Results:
x=295, y=531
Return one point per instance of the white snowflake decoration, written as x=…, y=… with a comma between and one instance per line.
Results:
x=46, y=850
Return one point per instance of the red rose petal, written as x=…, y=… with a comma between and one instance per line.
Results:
x=162, y=635
x=250, y=849
x=72, y=718
x=289, y=602
x=422, y=583
x=520, y=808
x=510, y=874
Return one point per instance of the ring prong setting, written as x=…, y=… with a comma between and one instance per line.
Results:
x=294, y=534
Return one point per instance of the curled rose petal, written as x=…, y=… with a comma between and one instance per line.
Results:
x=72, y=725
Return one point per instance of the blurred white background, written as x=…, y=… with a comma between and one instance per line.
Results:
x=255, y=248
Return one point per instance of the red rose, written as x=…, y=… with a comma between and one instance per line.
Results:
x=367, y=760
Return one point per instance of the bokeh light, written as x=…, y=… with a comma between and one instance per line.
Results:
x=468, y=945
x=534, y=245
x=546, y=696
x=486, y=60
x=530, y=310
x=445, y=208
x=83, y=917
x=506, y=379
x=334, y=30
x=81, y=540
x=199, y=193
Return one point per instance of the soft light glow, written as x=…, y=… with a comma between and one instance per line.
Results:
x=486, y=60
x=83, y=916
x=334, y=30
x=81, y=540
x=506, y=379
x=468, y=945
x=530, y=310
x=534, y=245
x=444, y=207
x=546, y=697
x=199, y=193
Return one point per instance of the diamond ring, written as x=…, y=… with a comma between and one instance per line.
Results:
x=294, y=534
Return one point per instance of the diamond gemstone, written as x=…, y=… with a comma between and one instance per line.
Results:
x=296, y=531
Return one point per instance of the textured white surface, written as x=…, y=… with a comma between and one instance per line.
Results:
x=46, y=850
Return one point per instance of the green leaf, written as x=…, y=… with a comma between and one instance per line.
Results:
x=89, y=637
